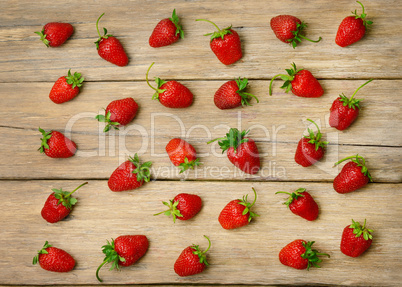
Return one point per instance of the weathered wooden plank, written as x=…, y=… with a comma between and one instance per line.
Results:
x=252, y=250
x=26, y=59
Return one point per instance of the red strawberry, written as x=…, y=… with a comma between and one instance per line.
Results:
x=344, y=111
x=299, y=255
x=183, y=206
x=125, y=250
x=166, y=32
x=171, y=94
x=354, y=175
x=352, y=28
x=225, y=44
x=66, y=88
x=237, y=213
x=356, y=239
x=288, y=29
x=54, y=259
x=131, y=174
x=55, y=34
x=241, y=151
x=55, y=144
x=301, y=82
x=231, y=95
x=110, y=48
x=182, y=154
x=310, y=149
x=59, y=204
x=118, y=113
x=302, y=204
x=192, y=260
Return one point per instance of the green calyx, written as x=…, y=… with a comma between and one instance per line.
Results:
x=42, y=251
x=43, y=38
x=189, y=164
x=292, y=196
x=352, y=103
x=159, y=83
x=175, y=20
x=287, y=85
x=245, y=97
x=172, y=205
x=75, y=80
x=315, y=138
x=298, y=35
x=111, y=256
x=106, y=119
x=65, y=197
x=217, y=34
x=362, y=16
x=142, y=171
x=359, y=230
x=360, y=161
x=248, y=206
x=105, y=34
x=44, y=139
x=312, y=255
x=201, y=254
x=233, y=139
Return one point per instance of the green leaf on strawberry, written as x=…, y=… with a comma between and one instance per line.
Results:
x=46, y=137
x=65, y=197
x=287, y=85
x=175, y=20
x=105, y=34
x=201, y=254
x=360, y=161
x=43, y=37
x=362, y=16
x=111, y=256
x=292, y=196
x=172, y=205
x=142, y=171
x=42, y=251
x=358, y=230
x=315, y=138
x=217, y=34
x=248, y=206
x=312, y=255
x=298, y=35
x=106, y=119
x=189, y=164
x=245, y=97
x=233, y=139
x=75, y=80
x=352, y=103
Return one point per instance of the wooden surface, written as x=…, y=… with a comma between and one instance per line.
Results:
x=245, y=256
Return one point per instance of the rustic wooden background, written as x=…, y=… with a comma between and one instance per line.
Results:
x=245, y=256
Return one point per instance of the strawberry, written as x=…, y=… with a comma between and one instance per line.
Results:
x=54, y=34
x=237, y=213
x=231, y=95
x=344, y=111
x=352, y=28
x=182, y=154
x=54, y=259
x=301, y=82
x=131, y=174
x=356, y=239
x=310, y=149
x=118, y=113
x=166, y=32
x=354, y=175
x=59, y=204
x=183, y=206
x=55, y=144
x=109, y=48
x=241, y=151
x=289, y=29
x=299, y=255
x=192, y=260
x=301, y=203
x=171, y=94
x=66, y=88
x=225, y=44
x=125, y=250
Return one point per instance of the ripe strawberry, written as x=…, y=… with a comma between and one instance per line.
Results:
x=59, y=204
x=344, y=111
x=237, y=213
x=125, y=250
x=55, y=34
x=192, y=260
x=289, y=29
x=118, y=113
x=310, y=149
x=354, y=175
x=301, y=82
x=352, y=28
x=110, y=48
x=131, y=174
x=182, y=154
x=225, y=44
x=356, y=239
x=66, y=88
x=302, y=204
x=241, y=151
x=171, y=94
x=54, y=259
x=299, y=255
x=231, y=95
x=183, y=206
x=55, y=144
x=166, y=32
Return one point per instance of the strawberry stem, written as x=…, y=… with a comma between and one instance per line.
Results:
x=209, y=245
x=356, y=159
x=97, y=270
x=69, y=194
x=172, y=210
x=359, y=89
x=255, y=197
x=219, y=30
x=146, y=77
x=97, y=28
x=305, y=38
x=350, y=157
